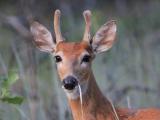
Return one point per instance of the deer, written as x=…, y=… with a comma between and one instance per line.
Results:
x=74, y=66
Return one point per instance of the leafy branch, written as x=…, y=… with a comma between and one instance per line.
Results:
x=5, y=93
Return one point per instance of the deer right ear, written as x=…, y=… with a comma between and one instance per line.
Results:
x=42, y=37
x=105, y=37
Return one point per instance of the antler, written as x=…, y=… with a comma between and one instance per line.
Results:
x=57, y=29
x=87, y=17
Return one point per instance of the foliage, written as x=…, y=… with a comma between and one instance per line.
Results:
x=5, y=93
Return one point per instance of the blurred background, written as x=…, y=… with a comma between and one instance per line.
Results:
x=129, y=73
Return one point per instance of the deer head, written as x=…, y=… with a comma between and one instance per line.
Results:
x=74, y=59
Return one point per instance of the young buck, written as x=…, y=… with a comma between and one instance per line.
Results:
x=74, y=69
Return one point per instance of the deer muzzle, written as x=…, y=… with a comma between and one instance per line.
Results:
x=69, y=83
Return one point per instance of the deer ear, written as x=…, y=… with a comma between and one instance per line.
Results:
x=104, y=38
x=42, y=37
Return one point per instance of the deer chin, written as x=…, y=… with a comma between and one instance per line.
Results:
x=75, y=93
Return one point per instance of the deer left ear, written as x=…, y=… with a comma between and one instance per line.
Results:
x=42, y=37
x=105, y=37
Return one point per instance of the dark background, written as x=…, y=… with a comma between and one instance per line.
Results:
x=129, y=73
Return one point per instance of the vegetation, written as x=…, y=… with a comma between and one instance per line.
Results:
x=128, y=74
x=5, y=84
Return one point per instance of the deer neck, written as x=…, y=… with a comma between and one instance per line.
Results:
x=95, y=106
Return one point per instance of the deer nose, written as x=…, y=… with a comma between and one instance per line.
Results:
x=70, y=83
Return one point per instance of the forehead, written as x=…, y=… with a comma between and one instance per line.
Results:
x=73, y=48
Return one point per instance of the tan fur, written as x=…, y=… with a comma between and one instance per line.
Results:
x=71, y=59
x=73, y=49
x=95, y=105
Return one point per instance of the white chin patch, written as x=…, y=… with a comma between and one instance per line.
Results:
x=75, y=93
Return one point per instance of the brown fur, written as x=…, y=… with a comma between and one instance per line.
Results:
x=72, y=48
x=71, y=53
x=95, y=105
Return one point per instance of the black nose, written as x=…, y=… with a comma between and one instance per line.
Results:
x=70, y=83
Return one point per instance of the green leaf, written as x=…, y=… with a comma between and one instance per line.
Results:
x=4, y=92
x=5, y=84
x=13, y=100
x=12, y=78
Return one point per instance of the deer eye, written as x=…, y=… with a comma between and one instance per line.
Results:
x=58, y=58
x=86, y=58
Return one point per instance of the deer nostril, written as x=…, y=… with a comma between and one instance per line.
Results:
x=70, y=83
